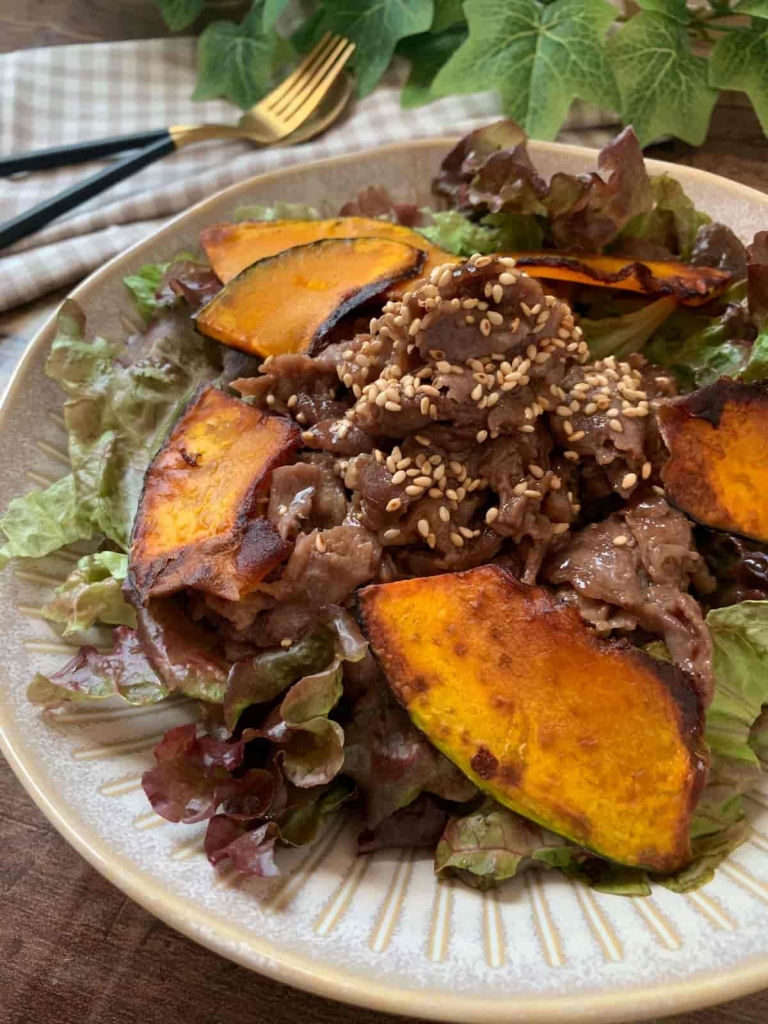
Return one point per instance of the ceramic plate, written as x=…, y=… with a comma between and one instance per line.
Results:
x=375, y=930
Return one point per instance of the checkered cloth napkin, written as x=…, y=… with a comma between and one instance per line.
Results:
x=73, y=93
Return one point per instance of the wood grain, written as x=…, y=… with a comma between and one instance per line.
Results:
x=73, y=949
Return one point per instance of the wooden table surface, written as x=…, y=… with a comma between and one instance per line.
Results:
x=73, y=948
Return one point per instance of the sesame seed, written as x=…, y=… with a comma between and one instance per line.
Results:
x=526, y=429
x=630, y=479
x=399, y=477
x=536, y=471
x=424, y=441
x=563, y=410
x=457, y=540
x=567, y=426
x=393, y=407
x=320, y=543
x=452, y=494
x=571, y=456
x=485, y=327
x=514, y=324
x=658, y=490
x=482, y=435
x=616, y=425
x=645, y=472
x=493, y=399
x=270, y=400
x=424, y=406
x=390, y=535
x=391, y=464
x=529, y=492
x=301, y=418
x=577, y=436
x=477, y=393
x=423, y=481
x=438, y=473
x=498, y=293
x=423, y=527
x=413, y=330
x=496, y=318
x=620, y=540
x=559, y=528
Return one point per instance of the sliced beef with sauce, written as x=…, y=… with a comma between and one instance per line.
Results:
x=642, y=561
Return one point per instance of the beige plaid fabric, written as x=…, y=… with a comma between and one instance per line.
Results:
x=72, y=93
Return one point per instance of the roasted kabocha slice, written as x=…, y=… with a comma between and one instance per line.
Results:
x=690, y=285
x=231, y=248
x=199, y=523
x=288, y=303
x=717, y=471
x=593, y=739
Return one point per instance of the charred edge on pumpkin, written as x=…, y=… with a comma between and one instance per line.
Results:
x=706, y=278
x=709, y=403
x=252, y=535
x=347, y=303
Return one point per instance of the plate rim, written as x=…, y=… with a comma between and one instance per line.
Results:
x=702, y=988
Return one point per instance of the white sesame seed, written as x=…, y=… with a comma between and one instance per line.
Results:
x=482, y=435
x=526, y=428
x=529, y=492
x=457, y=540
x=498, y=293
x=413, y=330
x=485, y=327
x=620, y=540
x=423, y=527
x=577, y=436
x=629, y=480
x=571, y=456
x=617, y=426
x=496, y=318
x=393, y=504
x=424, y=441
x=399, y=477
x=536, y=471
x=423, y=481
x=645, y=472
x=393, y=407
x=320, y=543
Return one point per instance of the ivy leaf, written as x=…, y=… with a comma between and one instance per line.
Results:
x=271, y=11
x=376, y=27
x=427, y=54
x=447, y=14
x=238, y=61
x=677, y=9
x=663, y=86
x=541, y=58
x=179, y=14
x=740, y=61
x=757, y=8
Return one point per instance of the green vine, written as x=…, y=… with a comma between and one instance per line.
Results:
x=540, y=55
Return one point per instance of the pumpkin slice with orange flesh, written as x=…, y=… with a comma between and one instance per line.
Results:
x=289, y=302
x=717, y=471
x=231, y=248
x=199, y=523
x=690, y=285
x=593, y=739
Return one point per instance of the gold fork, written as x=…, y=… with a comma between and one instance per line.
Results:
x=272, y=121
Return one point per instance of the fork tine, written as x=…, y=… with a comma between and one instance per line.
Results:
x=300, y=115
x=327, y=42
x=285, y=107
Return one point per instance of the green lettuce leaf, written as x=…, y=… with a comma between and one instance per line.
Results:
x=757, y=363
x=116, y=416
x=492, y=844
x=673, y=221
x=740, y=639
x=92, y=593
x=494, y=233
x=143, y=284
x=44, y=521
x=620, y=336
x=697, y=349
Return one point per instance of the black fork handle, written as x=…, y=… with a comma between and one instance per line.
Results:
x=78, y=152
x=32, y=220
